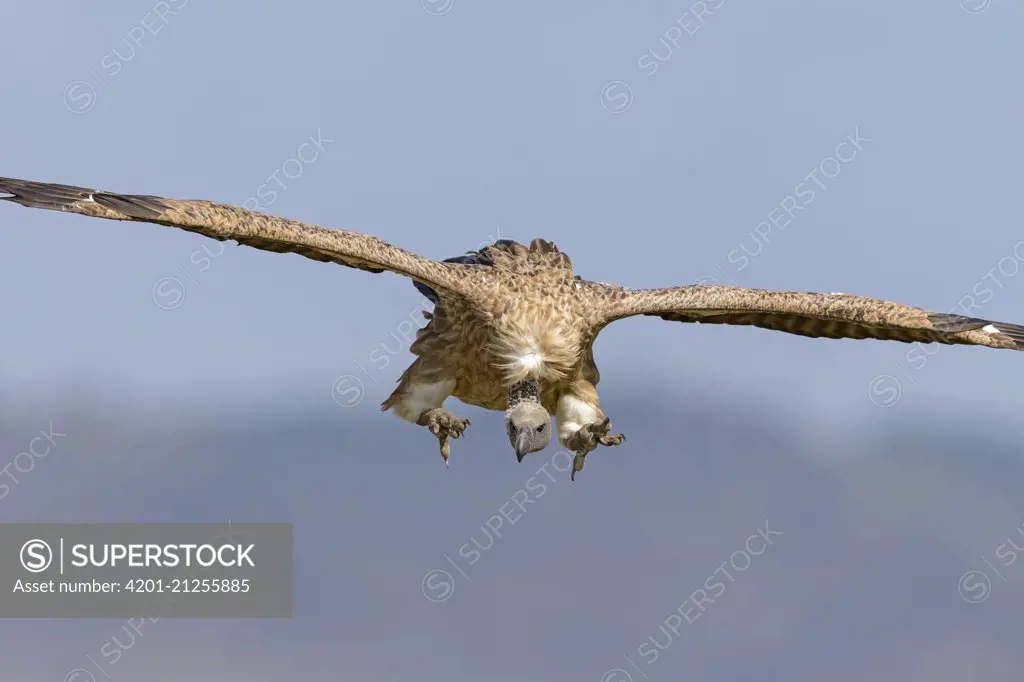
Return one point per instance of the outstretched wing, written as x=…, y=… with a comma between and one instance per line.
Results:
x=832, y=316
x=258, y=230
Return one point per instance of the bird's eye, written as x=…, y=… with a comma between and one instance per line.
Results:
x=540, y=429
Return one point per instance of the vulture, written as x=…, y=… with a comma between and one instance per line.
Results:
x=513, y=327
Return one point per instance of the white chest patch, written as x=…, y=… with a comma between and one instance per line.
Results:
x=530, y=359
x=538, y=349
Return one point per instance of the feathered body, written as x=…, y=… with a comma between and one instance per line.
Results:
x=538, y=333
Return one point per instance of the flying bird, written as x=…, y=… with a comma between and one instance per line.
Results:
x=513, y=327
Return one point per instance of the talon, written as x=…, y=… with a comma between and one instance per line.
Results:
x=443, y=425
x=577, y=465
x=616, y=439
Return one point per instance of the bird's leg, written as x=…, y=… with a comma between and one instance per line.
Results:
x=586, y=439
x=443, y=424
x=582, y=425
x=419, y=399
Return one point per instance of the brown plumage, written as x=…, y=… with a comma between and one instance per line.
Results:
x=513, y=327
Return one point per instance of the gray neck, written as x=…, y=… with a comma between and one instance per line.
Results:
x=524, y=392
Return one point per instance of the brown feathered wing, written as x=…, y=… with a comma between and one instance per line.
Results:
x=250, y=228
x=833, y=316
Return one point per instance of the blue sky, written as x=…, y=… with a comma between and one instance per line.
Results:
x=441, y=125
x=448, y=130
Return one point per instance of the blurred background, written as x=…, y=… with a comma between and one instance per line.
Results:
x=864, y=148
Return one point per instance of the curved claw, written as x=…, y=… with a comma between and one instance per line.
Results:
x=588, y=438
x=577, y=465
x=444, y=426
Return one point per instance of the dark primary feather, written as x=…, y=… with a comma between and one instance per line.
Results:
x=955, y=323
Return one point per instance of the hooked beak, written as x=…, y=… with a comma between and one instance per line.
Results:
x=522, y=446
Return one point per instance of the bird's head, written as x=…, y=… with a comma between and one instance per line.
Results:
x=529, y=428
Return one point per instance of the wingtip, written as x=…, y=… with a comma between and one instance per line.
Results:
x=33, y=194
x=1005, y=335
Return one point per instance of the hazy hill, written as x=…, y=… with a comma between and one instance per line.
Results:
x=878, y=526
